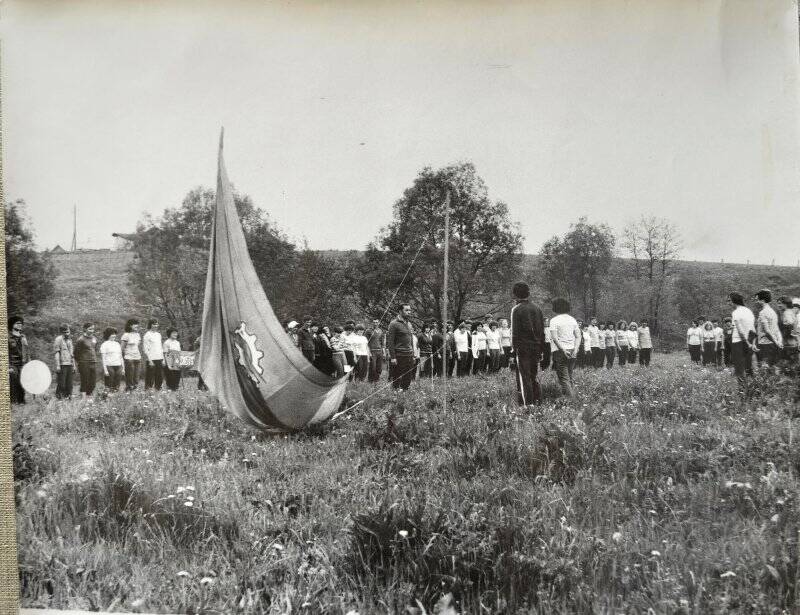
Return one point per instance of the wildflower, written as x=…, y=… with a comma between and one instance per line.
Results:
x=41, y=493
x=189, y=488
x=189, y=504
x=616, y=536
x=180, y=489
x=141, y=421
x=403, y=533
x=137, y=603
x=83, y=477
x=655, y=553
x=171, y=495
x=727, y=575
x=277, y=547
x=206, y=581
x=190, y=498
x=775, y=518
x=183, y=573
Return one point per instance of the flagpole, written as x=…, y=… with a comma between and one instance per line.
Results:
x=444, y=295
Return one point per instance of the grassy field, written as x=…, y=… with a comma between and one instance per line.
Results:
x=655, y=489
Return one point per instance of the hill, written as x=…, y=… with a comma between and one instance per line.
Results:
x=92, y=286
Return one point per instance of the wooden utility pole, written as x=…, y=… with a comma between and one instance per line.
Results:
x=444, y=294
x=74, y=247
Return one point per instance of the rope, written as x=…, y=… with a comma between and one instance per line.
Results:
x=375, y=392
x=397, y=290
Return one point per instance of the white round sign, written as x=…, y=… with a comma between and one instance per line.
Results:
x=35, y=377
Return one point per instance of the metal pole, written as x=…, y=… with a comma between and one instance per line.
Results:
x=444, y=294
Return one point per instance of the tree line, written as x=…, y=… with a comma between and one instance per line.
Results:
x=403, y=263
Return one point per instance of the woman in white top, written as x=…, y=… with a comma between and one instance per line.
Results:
x=493, y=346
x=709, y=336
x=505, y=341
x=360, y=345
x=478, y=349
x=461, y=338
x=621, y=341
x=633, y=342
x=131, y=354
x=611, y=344
x=694, y=342
x=601, y=344
x=172, y=360
x=111, y=358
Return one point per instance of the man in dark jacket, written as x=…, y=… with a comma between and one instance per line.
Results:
x=400, y=345
x=527, y=341
x=305, y=339
x=437, y=348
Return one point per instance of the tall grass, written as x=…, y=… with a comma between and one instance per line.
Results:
x=654, y=489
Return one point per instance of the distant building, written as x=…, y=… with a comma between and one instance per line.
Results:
x=58, y=250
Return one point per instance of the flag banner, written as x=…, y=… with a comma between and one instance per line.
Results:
x=246, y=358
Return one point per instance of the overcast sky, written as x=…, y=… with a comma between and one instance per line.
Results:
x=684, y=109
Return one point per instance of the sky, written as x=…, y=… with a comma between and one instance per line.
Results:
x=684, y=109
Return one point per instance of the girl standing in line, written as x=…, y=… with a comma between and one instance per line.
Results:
x=709, y=343
x=172, y=360
x=622, y=342
x=633, y=342
x=694, y=342
x=611, y=344
x=111, y=358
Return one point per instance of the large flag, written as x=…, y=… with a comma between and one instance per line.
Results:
x=246, y=359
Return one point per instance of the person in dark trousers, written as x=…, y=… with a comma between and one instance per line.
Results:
x=18, y=356
x=376, y=340
x=86, y=358
x=64, y=362
x=743, y=340
x=727, y=329
x=153, y=351
x=305, y=339
x=452, y=355
x=566, y=337
x=400, y=344
x=527, y=341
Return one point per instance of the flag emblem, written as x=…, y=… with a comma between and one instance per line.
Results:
x=249, y=356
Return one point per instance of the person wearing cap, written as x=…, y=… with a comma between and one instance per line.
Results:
x=743, y=337
x=18, y=356
x=770, y=340
x=291, y=330
x=527, y=340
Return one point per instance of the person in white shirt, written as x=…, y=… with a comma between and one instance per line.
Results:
x=719, y=338
x=478, y=349
x=645, y=343
x=788, y=321
x=633, y=342
x=594, y=343
x=694, y=342
x=360, y=345
x=154, y=356
x=611, y=344
x=709, y=337
x=172, y=360
x=601, y=344
x=461, y=337
x=131, y=354
x=111, y=359
x=621, y=341
x=566, y=337
x=770, y=340
x=743, y=339
x=505, y=341
x=547, y=350
x=493, y=346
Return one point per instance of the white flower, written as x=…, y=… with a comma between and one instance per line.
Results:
x=189, y=488
x=775, y=518
x=616, y=536
x=84, y=477
x=206, y=581
x=141, y=421
x=277, y=547
x=190, y=498
x=180, y=489
x=403, y=533
x=183, y=573
x=655, y=553
x=189, y=504
x=727, y=575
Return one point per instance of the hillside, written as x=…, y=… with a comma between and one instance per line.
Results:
x=92, y=286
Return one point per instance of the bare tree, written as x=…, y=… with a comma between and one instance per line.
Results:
x=654, y=245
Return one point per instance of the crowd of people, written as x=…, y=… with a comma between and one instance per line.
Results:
x=526, y=344
x=120, y=358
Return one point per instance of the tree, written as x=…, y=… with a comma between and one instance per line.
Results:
x=485, y=247
x=169, y=272
x=654, y=245
x=576, y=264
x=29, y=275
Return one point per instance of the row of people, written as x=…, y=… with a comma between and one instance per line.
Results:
x=600, y=344
x=121, y=358
x=778, y=334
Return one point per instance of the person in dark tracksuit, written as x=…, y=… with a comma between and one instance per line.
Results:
x=527, y=341
x=400, y=344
